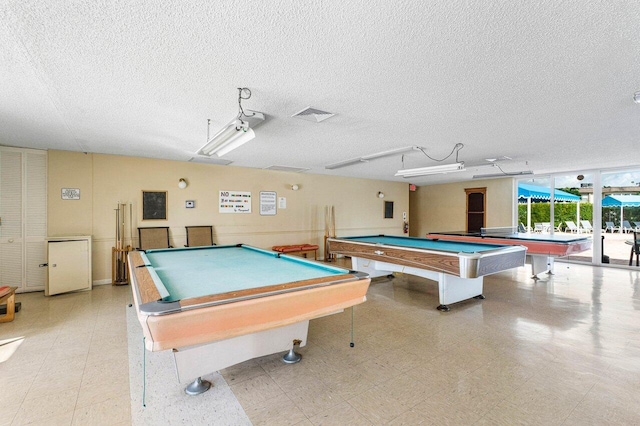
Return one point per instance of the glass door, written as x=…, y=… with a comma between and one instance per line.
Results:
x=620, y=214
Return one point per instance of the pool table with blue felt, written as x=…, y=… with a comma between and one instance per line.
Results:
x=458, y=267
x=217, y=306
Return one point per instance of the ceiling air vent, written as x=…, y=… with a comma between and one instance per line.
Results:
x=312, y=114
x=286, y=169
x=209, y=160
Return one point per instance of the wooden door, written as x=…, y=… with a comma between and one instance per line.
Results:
x=476, y=209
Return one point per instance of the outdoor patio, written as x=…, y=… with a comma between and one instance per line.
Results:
x=615, y=247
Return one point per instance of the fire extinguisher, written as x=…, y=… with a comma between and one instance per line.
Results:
x=405, y=227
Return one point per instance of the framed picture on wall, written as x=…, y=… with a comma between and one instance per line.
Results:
x=154, y=205
x=388, y=209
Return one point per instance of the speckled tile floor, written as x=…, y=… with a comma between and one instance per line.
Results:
x=562, y=350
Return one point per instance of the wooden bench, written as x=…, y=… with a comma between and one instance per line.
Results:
x=8, y=294
x=302, y=249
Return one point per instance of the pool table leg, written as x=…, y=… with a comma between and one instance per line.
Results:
x=292, y=356
x=197, y=387
x=443, y=308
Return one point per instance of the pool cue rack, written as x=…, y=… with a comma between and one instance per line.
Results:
x=119, y=253
x=329, y=231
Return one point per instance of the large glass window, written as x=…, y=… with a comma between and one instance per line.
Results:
x=620, y=214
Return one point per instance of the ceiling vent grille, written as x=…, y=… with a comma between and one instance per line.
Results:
x=209, y=160
x=286, y=169
x=313, y=115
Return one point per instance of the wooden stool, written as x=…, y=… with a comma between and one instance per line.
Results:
x=8, y=294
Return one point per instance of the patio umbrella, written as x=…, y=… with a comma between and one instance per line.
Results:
x=621, y=201
x=536, y=194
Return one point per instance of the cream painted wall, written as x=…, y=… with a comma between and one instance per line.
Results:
x=106, y=180
x=443, y=207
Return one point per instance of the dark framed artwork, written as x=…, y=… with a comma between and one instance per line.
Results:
x=154, y=205
x=388, y=209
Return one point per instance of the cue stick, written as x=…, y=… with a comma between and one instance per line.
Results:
x=333, y=221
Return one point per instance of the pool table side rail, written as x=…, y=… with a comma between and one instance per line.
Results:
x=440, y=261
x=464, y=265
x=184, y=328
x=550, y=248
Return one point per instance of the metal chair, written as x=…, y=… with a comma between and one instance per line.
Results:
x=153, y=238
x=199, y=236
x=635, y=249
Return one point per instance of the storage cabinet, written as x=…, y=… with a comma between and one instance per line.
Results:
x=68, y=264
x=23, y=218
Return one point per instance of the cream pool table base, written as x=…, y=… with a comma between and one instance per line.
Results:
x=196, y=361
x=451, y=289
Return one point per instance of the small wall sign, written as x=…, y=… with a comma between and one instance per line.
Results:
x=70, y=193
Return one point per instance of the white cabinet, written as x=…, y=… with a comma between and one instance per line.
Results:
x=69, y=264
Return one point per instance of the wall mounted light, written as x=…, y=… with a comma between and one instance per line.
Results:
x=294, y=187
x=182, y=183
x=380, y=194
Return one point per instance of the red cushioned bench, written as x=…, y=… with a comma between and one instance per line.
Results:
x=298, y=249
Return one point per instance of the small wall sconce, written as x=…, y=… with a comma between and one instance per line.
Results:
x=380, y=194
x=182, y=183
x=295, y=187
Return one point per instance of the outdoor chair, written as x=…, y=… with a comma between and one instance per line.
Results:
x=586, y=226
x=635, y=249
x=571, y=227
x=559, y=227
x=198, y=236
x=546, y=226
x=609, y=226
x=524, y=228
x=537, y=227
x=637, y=224
x=626, y=227
x=153, y=237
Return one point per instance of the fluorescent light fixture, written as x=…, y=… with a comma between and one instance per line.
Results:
x=505, y=174
x=367, y=158
x=233, y=135
x=432, y=170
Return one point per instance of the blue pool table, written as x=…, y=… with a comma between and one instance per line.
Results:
x=458, y=267
x=217, y=306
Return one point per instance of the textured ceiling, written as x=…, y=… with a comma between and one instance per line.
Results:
x=547, y=83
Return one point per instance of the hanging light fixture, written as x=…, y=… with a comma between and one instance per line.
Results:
x=236, y=133
x=458, y=166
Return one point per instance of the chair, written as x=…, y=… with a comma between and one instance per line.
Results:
x=637, y=224
x=559, y=227
x=571, y=227
x=537, y=227
x=609, y=226
x=626, y=226
x=586, y=226
x=546, y=226
x=199, y=236
x=635, y=249
x=522, y=228
x=153, y=237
